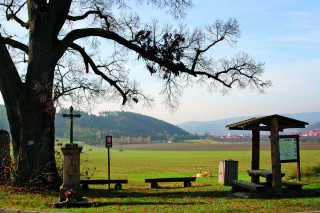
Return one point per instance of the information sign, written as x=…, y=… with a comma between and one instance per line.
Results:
x=289, y=148
x=108, y=141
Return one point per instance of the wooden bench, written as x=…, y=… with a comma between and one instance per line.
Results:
x=118, y=186
x=154, y=181
x=241, y=184
x=292, y=185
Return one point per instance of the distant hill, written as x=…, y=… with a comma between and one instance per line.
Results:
x=125, y=126
x=314, y=126
x=218, y=127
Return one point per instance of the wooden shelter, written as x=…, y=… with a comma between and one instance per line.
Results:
x=274, y=124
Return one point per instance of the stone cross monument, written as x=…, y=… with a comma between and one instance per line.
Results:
x=71, y=116
x=71, y=166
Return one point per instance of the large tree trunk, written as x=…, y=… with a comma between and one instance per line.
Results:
x=29, y=105
x=33, y=144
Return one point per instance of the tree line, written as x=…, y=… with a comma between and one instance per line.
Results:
x=125, y=127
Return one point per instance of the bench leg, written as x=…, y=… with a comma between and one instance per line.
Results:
x=154, y=185
x=236, y=188
x=85, y=186
x=118, y=186
x=187, y=184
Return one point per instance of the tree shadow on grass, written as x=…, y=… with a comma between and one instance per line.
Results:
x=102, y=204
x=309, y=193
x=171, y=193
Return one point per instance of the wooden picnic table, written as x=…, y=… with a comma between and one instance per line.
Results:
x=268, y=175
x=263, y=173
x=238, y=184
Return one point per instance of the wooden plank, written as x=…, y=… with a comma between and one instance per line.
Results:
x=102, y=181
x=178, y=179
x=291, y=185
x=248, y=185
x=263, y=173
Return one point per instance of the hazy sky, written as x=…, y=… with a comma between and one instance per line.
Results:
x=284, y=34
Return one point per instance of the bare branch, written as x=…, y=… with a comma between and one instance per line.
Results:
x=15, y=44
x=177, y=7
x=12, y=10
x=10, y=82
x=95, y=69
x=127, y=90
x=81, y=17
x=167, y=54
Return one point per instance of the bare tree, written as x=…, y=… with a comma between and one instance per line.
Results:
x=77, y=50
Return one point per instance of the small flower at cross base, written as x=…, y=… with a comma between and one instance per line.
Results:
x=70, y=194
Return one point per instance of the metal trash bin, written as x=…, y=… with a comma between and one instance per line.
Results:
x=228, y=171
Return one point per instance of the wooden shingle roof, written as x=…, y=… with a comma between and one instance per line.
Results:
x=263, y=123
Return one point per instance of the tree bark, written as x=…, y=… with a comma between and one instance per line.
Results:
x=30, y=107
x=33, y=146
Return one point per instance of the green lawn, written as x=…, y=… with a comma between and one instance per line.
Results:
x=205, y=195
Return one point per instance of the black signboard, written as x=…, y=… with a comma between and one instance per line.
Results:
x=108, y=141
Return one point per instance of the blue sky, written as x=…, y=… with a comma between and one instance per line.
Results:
x=284, y=34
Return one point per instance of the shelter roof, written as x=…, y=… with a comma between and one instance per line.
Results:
x=263, y=123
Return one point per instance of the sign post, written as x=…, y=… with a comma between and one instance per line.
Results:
x=109, y=145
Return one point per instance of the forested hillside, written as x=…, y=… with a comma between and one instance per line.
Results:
x=125, y=127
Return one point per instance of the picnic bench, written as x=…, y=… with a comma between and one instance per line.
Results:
x=118, y=186
x=154, y=181
x=292, y=185
x=240, y=184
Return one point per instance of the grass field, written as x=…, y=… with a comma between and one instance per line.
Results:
x=136, y=163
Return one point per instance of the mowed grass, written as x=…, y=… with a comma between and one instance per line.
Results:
x=205, y=195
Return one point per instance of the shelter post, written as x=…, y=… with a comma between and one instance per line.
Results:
x=275, y=157
x=255, y=164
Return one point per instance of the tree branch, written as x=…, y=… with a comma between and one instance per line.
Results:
x=15, y=44
x=59, y=10
x=77, y=18
x=171, y=66
x=10, y=82
x=87, y=60
x=10, y=14
x=90, y=12
x=81, y=33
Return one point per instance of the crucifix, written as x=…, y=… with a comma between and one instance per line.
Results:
x=71, y=116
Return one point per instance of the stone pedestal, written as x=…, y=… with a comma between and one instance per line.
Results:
x=71, y=171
